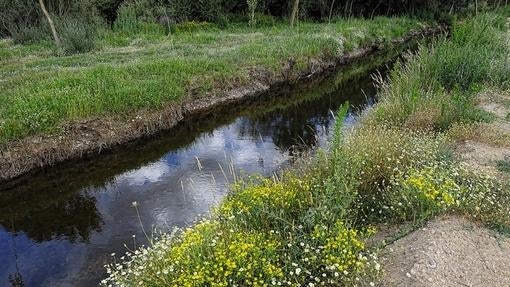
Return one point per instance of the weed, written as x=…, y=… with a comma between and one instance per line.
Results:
x=454, y=70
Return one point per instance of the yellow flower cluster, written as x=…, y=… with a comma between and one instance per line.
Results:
x=293, y=193
x=208, y=256
x=342, y=247
x=433, y=188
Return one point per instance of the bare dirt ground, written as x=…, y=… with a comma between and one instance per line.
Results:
x=448, y=251
x=452, y=251
x=491, y=143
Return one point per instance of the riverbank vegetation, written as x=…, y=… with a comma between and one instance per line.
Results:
x=309, y=226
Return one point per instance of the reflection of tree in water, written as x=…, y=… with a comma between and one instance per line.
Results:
x=73, y=218
x=295, y=127
x=288, y=132
x=16, y=280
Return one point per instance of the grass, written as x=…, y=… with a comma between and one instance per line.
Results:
x=308, y=227
x=476, y=55
x=503, y=165
x=128, y=71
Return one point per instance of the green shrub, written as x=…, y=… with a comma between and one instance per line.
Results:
x=127, y=21
x=30, y=34
x=198, y=10
x=77, y=35
x=422, y=193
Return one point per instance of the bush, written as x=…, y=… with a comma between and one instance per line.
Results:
x=127, y=20
x=30, y=34
x=77, y=36
x=376, y=154
x=21, y=20
x=198, y=10
x=423, y=193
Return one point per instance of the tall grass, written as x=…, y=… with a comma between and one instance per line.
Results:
x=437, y=85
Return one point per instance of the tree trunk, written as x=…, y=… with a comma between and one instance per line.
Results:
x=476, y=7
x=295, y=10
x=52, y=26
x=331, y=10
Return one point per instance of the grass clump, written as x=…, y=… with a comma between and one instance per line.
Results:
x=436, y=86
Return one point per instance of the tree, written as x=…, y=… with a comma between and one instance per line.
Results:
x=331, y=11
x=50, y=21
x=295, y=9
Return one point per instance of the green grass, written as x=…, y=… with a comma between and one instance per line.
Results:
x=455, y=69
x=39, y=92
x=503, y=165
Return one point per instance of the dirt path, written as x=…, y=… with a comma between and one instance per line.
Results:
x=487, y=146
x=448, y=251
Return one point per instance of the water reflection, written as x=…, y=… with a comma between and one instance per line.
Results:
x=58, y=226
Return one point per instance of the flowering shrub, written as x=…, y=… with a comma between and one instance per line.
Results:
x=334, y=255
x=200, y=256
x=483, y=198
x=259, y=205
x=423, y=192
x=375, y=155
x=265, y=233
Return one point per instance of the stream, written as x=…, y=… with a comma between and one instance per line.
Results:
x=59, y=226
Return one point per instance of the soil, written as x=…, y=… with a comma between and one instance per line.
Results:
x=90, y=137
x=448, y=251
x=483, y=153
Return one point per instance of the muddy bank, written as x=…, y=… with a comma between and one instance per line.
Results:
x=93, y=136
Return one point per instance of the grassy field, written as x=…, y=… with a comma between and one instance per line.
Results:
x=40, y=92
x=309, y=226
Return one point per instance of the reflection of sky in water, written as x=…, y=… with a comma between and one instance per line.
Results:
x=170, y=191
